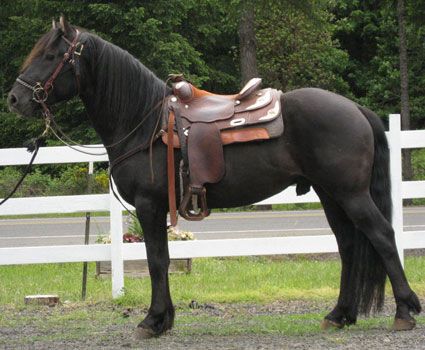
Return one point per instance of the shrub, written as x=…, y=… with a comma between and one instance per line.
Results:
x=73, y=180
x=35, y=184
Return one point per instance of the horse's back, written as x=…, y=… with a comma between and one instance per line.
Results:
x=322, y=105
x=317, y=113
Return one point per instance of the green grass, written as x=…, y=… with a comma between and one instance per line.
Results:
x=297, y=206
x=254, y=280
x=237, y=280
x=214, y=280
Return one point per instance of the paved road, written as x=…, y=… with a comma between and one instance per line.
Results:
x=62, y=231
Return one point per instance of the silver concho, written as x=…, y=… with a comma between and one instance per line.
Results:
x=237, y=122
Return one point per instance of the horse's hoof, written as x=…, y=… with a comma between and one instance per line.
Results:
x=144, y=333
x=401, y=324
x=328, y=324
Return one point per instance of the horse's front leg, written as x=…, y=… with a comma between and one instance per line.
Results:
x=160, y=317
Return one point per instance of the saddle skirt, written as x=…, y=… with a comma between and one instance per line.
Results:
x=200, y=123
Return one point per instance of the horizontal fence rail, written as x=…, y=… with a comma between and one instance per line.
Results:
x=117, y=252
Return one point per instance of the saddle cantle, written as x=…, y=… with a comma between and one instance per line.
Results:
x=200, y=123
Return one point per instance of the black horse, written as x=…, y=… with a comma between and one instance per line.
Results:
x=330, y=143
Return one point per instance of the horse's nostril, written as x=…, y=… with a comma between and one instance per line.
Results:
x=12, y=99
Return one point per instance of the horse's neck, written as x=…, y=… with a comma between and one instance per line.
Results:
x=145, y=92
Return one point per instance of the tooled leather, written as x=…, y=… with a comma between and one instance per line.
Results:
x=212, y=108
x=207, y=109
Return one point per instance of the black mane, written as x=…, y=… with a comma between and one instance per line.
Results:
x=125, y=90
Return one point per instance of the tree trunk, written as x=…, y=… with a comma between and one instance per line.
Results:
x=247, y=42
x=404, y=86
x=248, y=51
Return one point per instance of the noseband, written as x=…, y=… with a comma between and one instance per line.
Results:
x=40, y=91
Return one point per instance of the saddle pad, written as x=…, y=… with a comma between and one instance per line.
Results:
x=205, y=153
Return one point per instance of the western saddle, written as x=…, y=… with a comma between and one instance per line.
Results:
x=200, y=123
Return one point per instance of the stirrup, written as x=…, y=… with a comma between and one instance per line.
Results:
x=194, y=204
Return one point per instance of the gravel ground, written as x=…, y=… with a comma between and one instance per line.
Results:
x=81, y=327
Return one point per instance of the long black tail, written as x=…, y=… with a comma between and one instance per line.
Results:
x=368, y=272
x=380, y=187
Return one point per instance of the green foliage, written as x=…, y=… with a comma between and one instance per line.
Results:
x=296, y=49
x=134, y=226
x=418, y=163
x=73, y=180
x=368, y=31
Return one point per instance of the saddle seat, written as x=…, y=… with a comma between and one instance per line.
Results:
x=200, y=123
x=204, y=106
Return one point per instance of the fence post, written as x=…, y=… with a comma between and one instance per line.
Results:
x=117, y=263
x=87, y=232
x=396, y=182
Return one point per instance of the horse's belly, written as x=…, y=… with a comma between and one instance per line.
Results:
x=254, y=172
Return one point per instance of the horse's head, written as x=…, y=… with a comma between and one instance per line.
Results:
x=51, y=71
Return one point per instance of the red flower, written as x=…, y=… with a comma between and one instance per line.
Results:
x=131, y=238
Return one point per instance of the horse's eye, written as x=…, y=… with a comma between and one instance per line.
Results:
x=50, y=56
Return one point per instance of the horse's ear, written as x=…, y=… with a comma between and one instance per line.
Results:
x=65, y=27
x=54, y=25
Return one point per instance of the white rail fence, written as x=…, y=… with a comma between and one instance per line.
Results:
x=116, y=252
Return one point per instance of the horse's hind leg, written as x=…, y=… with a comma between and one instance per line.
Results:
x=346, y=310
x=367, y=218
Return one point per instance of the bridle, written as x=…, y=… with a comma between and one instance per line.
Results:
x=40, y=91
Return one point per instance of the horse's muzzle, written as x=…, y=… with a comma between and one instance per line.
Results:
x=20, y=102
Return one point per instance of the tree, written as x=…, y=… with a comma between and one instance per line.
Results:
x=404, y=85
x=247, y=42
x=296, y=48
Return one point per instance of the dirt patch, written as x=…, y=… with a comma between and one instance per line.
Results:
x=280, y=325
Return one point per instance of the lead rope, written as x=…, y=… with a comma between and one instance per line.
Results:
x=32, y=146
